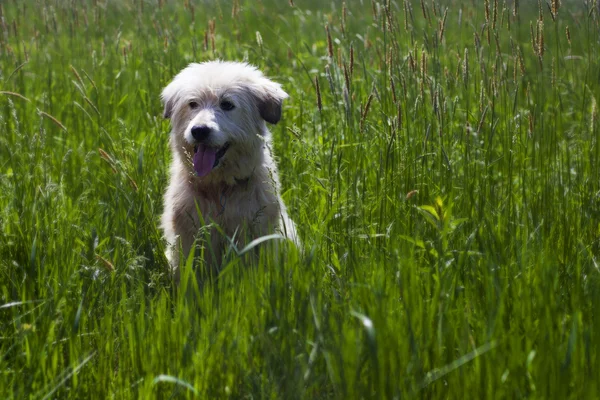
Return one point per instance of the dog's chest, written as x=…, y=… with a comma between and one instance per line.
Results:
x=237, y=208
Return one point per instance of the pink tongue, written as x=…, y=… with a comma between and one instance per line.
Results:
x=204, y=159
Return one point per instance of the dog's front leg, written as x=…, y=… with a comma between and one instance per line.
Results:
x=184, y=227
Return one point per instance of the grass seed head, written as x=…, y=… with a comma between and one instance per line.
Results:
x=329, y=42
x=554, y=9
x=411, y=62
x=346, y=77
x=366, y=110
x=443, y=24
x=495, y=15
x=521, y=63
x=481, y=97
x=540, y=36
x=476, y=41
x=330, y=79
x=406, y=15
x=399, y=116
x=344, y=13
x=533, y=38
x=77, y=75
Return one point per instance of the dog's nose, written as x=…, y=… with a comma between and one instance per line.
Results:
x=200, y=132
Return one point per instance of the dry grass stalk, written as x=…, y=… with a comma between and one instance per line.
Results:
x=105, y=263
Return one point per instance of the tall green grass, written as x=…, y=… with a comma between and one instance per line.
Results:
x=441, y=161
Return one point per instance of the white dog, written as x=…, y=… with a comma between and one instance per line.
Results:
x=222, y=170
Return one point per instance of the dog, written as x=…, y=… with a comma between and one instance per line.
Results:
x=222, y=176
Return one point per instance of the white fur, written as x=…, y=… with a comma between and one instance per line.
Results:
x=241, y=194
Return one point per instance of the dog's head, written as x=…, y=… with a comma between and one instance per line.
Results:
x=218, y=112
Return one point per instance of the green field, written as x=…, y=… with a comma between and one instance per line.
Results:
x=441, y=160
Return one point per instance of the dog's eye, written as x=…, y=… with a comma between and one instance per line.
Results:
x=226, y=105
x=193, y=105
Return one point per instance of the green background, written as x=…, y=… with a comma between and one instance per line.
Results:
x=441, y=161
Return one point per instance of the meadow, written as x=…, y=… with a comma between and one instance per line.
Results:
x=441, y=160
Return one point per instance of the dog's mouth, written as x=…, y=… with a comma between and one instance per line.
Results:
x=206, y=158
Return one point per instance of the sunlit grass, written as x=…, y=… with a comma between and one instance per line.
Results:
x=441, y=161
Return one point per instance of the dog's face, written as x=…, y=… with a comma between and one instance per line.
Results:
x=218, y=112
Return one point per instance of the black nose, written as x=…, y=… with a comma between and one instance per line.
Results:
x=200, y=132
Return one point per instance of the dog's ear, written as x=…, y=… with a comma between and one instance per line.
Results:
x=168, y=97
x=168, y=109
x=270, y=98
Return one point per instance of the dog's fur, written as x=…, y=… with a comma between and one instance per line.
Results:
x=241, y=193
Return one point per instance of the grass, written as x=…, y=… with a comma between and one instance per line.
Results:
x=441, y=161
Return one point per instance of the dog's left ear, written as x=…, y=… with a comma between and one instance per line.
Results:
x=270, y=97
x=168, y=97
x=168, y=109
